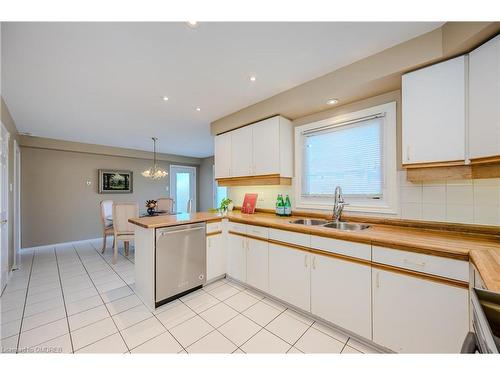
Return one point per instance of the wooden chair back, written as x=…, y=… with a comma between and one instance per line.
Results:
x=165, y=204
x=106, y=212
x=121, y=213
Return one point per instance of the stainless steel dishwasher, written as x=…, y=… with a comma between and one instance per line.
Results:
x=180, y=261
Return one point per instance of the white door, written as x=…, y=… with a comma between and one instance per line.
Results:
x=433, y=111
x=289, y=275
x=266, y=146
x=341, y=293
x=183, y=187
x=241, y=152
x=223, y=155
x=216, y=256
x=4, y=206
x=236, y=257
x=414, y=315
x=258, y=264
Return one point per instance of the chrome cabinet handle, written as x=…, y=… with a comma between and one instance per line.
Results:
x=377, y=280
x=305, y=261
x=180, y=231
x=314, y=262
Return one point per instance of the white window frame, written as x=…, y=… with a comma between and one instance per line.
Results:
x=389, y=204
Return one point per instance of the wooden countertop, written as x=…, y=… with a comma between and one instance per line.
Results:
x=162, y=221
x=482, y=250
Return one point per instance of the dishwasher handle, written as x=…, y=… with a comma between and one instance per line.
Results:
x=180, y=231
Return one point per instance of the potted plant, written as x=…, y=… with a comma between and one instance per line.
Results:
x=151, y=206
x=226, y=205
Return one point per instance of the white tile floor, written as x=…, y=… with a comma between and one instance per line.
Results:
x=71, y=299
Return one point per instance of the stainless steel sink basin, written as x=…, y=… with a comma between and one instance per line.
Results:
x=342, y=225
x=309, y=222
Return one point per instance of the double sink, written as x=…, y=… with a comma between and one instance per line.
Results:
x=340, y=225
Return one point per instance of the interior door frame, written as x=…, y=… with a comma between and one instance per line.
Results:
x=17, y=205
x=172, y=187
x=4, y=189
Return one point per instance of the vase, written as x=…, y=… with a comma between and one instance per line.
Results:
x=151, y=211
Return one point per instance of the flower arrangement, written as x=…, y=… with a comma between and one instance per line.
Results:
x=151, y=206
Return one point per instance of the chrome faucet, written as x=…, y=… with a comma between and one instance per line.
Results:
x=339, y=204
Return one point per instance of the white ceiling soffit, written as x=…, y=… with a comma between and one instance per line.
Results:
x=103, y=83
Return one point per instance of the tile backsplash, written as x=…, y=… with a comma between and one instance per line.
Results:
x=457, y=201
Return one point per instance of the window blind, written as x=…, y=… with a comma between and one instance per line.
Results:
x=347, y=155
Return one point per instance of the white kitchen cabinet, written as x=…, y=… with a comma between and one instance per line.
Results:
x=341, y=293
x=271, y=147
x=223, y=155
x=434, y=113
x=260, y=149
x=415, y=315
x=484, y=100
x=289, y=275
x=216, y=256
x=236, y=257
x=258, y=264
x=241, y=152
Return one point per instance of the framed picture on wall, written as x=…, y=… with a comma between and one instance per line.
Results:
x=114, y=181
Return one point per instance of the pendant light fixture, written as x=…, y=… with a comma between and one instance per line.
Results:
x=154, y=172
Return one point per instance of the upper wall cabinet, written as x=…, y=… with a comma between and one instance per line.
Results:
x=434, y=114
x=257, y=154
x=484, y=102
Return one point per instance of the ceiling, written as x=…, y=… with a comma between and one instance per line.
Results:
x=103, y=83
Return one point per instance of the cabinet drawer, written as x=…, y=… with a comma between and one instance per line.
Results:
x=434, y=265
x=332, y=245
x=262, y=232
x=237, y=227
x=290, y=237
x=214, y=227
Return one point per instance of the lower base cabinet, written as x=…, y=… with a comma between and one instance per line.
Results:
x=236, y=257
x=216, y=256
x=341, y=293
x=415, y=315
x=258, y=264
x=289, y=275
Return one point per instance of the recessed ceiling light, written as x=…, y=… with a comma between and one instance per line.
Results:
x=198, y=109
x=192, y=24
x=253, y=78
x=332, y=101
x=165, y=98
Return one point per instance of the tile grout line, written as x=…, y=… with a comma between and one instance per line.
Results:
x=64, y=301
x=110, y=316
x=25, y=299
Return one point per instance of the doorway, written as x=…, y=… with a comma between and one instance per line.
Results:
x=183, y=187
x=4, y=206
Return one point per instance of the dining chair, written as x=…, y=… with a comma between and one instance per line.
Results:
x=165, y=204
x=106, y=221
x=122, y=229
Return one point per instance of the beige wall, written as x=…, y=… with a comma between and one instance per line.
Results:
x=14, y=136
x=206, y=179
x=57, y=204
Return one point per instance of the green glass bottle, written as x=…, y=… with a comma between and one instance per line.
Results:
x=288, y=206
x=281, y=206
x=277, y=204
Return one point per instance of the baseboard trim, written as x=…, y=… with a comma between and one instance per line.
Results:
x=24, y=249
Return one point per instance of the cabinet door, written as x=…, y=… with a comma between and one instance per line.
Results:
x=258, y=264
x=341, y=293
x=414, y=315
x=241, y=152
x=236, y=257
x=434, y=113
x=223, y=155
x=484, y=100
x=266, y=147
x=216, y=256
x=289, y=275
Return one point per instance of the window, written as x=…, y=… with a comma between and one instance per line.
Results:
x=356, y=152
x=220, y=192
